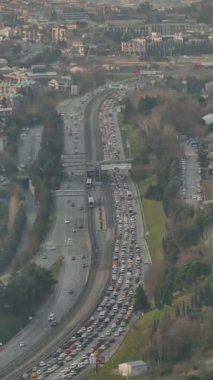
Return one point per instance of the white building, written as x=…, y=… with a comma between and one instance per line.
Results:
x=7, y=32
x=136, y=46
x=136, y=368
x=208, y=119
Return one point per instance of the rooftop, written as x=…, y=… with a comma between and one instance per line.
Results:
x=208, y=119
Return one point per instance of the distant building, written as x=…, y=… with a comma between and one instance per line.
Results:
x=74, y=13
x=78, y=47
x=136, y=46
x=144, y=29
x=131, y=369
x=7, y=32
x=31, y=32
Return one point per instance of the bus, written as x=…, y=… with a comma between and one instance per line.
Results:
x=91, y=202
x=129, y=195
x=89, y=183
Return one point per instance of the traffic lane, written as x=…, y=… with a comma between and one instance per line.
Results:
x=92, y=132
x=101, y=282
x=29, y=145
x=50, y=251
x=90, y=298
x=58, y=238
x=76, y=140
x=73, y=275
x=59, y=305
x=101, y=278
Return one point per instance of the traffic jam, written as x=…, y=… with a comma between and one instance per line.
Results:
x=94, y=342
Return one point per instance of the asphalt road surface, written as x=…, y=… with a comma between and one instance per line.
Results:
x=65, y=241
x=38, y=333
x=29, y=145
x=56, y=247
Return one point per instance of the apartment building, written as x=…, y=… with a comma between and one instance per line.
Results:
x=136, y=46
x=63, y=33
x=143, y=29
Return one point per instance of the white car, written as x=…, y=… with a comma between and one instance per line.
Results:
x=22, y=344
x=51, y=317
x=67, y=221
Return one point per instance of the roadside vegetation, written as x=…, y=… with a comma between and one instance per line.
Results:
x=175, y=336
x=46, y=174
x=28, y=286
x=56, y=268
x=20, y=298
x=155, y=219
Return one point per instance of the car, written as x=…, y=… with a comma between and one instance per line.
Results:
x=73, y=258
x=53, y=323
x=44, y=257
x=85, y=265
x=51, y=317
x=73, y=204
x=67, y=221
x=71, y=291
x=22, y=344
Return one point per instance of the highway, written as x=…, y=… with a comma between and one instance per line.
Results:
x=67, y=240
x=38, y=333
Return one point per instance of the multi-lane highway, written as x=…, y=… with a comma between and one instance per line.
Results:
x=73, y=274
x=76, y=240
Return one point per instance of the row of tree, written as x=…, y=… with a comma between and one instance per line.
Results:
x=13, y=238
x=26, y=290
x=185, y=268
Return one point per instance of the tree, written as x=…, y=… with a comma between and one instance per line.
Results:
x=147, y=104
x=26, y=290
x=190, y=272
x=141, y=300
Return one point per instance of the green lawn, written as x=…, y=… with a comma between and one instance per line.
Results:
x=131, y=137
x=155, y=220
x=56, y=268
x=9, y=326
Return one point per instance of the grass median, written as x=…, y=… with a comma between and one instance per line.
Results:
x=56, y=268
